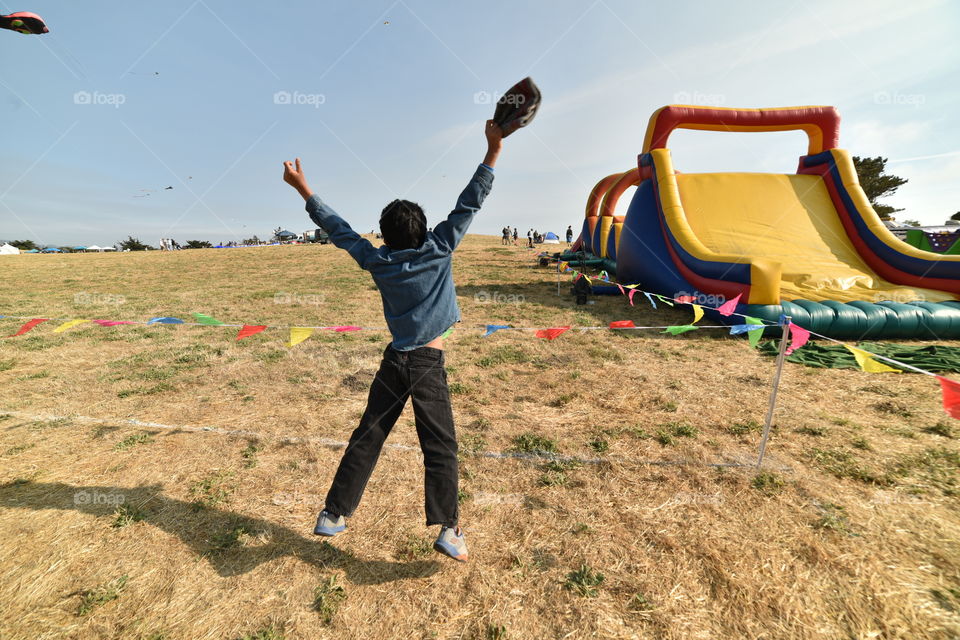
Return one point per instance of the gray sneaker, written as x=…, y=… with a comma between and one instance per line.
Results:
x=451, y=542
x=329, y=525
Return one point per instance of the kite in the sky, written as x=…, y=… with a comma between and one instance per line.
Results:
x=24, y=22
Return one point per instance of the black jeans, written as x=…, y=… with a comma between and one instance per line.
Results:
x=417, y=374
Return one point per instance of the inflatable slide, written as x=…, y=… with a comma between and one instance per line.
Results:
x=808, y=245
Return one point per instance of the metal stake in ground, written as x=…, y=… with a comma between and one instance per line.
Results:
x=781, y=356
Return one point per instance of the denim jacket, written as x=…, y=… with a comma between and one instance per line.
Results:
x=416, y=285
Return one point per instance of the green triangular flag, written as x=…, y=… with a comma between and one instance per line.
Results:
x=677, y=330
x=754, y=335
x=666, y=301
x=205, y=319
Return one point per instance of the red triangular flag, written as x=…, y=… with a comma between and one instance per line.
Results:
x=249, y=330
x=684, y=299
x=951, y=396
x=27, y=326
x=630, y=295
x=728, y=307
x=551, y=333
x=622, y=324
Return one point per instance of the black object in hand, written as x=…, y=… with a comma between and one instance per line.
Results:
x=517, y=107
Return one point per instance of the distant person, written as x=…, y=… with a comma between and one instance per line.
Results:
x=569, y=234
x=413, y=272
x=506, y=236
x=515, y=236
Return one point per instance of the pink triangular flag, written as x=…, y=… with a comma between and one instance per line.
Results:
x=112, y=323
x=798, y=338
x=728, y=307
x=630, y=295
x=346, y=327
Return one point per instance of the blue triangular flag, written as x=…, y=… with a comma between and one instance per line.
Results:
x=165, y=320
x=650, y=298
x=492, y=328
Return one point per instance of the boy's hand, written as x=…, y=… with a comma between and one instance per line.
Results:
x=294, y=177
x=494, y=142
x=494, y=135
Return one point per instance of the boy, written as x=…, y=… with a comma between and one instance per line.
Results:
x=413, y=273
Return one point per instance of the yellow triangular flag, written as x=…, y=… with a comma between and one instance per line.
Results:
x=298, y=335
x=66, y=325
x=867, y=363
x=697, y=313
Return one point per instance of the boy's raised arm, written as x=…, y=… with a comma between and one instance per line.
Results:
x=341, y=234
x=452, y=230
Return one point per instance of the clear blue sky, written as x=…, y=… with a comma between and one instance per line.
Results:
x=392, y=105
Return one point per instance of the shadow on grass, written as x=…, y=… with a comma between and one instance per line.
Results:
x=211, y=532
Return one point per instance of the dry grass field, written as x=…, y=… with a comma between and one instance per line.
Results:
x=163, y=481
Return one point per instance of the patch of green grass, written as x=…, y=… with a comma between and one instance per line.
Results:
x=743, y=428
x=6, y=365
x=162, y=387
x=126, y=515
x=212, y=490
x=554, y=479
x=269, y=632
x=563, y=399
x=767, y=483
x=584, y=581
x=228, y=539
x=812, y=431
x=249, y=454
x=413, y=547
x=496, y=632
x=833, y=517
x=505, y=354
x=132, y=441
x=472, y=444
x=327, y=598
x=458, y=388
x=664, y=437
x=891, y=408
x=463, y=495
x=942, y=428
x=599, y=445
x=663, y=404
x=271, y=356
x=934, y=467
x=101, y=595
x=19, y=448
x=843, y=464
x=34, y=376
x=682, y=429
x=532, y=443
x=581, y=528
x=860, y=443
x=640, y=602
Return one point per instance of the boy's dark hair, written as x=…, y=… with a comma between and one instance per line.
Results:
x=403, y=225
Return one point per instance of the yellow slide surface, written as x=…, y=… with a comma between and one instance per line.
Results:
x=790, y=219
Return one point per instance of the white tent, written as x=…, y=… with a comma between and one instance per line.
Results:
x=8, y=250
x=94, y=247
x=108, y=249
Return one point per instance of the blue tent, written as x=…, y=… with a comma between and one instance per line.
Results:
x=51, y=250
x=32, y=251
x=79, y=248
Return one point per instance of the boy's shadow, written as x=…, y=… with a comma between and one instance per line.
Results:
x=210, y=532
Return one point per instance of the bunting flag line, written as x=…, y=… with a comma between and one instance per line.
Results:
x=68, y=325
x=551, y=333
x=951, y=396
x=622, y=324
x=298, y=335
x=867, y=363
x=678, y=329
x=248, y=330
x=27, y=326
x=202, y=318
